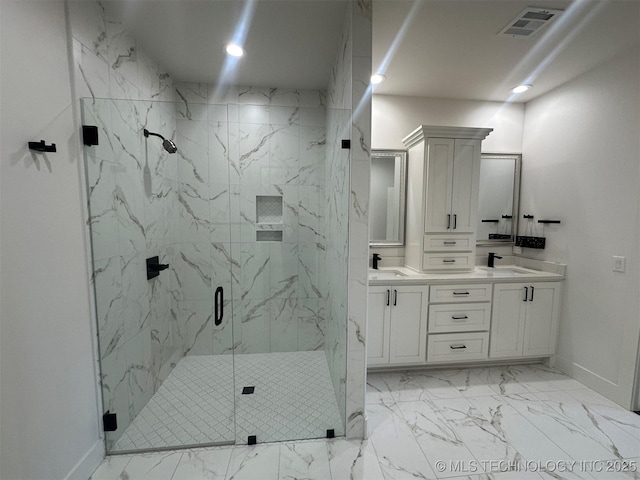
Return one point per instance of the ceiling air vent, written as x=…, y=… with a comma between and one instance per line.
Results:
x=529, y=22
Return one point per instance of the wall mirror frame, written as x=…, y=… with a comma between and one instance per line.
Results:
x=498, y=200
x=387, y=198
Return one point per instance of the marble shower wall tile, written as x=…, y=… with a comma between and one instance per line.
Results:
x=117, y=68
x=347, y=212
x=360, y=166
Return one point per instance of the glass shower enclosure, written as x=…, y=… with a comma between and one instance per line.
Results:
x=221, y=311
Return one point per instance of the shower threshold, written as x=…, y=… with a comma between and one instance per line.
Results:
x=293, y=399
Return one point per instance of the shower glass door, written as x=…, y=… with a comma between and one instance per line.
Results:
x=287, y=226
x=162, y=270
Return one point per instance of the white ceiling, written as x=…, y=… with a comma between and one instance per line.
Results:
x=288, y=43
x=448, y=48
x=451, y=48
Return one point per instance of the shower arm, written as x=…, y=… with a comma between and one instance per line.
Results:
x=147, y=133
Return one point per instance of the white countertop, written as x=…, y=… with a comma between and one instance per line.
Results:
x=525, y=270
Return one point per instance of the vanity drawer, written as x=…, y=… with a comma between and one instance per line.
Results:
x=448, y=261
x=453, y=243
x=460, y=293
x=456, y=347
x=459, y=317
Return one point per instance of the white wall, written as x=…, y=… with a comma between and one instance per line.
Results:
x=48, y=409
x=394, y=117
x=581, y=154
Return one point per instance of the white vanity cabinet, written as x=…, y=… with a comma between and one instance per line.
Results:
x=442, y=195
x=459, y=321
x=397, y=324
x=524, y=322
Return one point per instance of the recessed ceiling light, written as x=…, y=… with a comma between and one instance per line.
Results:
x=234, y=50
x=377, y=78
x=521, y=88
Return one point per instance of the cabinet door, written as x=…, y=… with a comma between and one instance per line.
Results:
x=541, y=323
x=507, y=320
x=408, y=340
x=378, y=317
x=439, y=183
x=466, y=180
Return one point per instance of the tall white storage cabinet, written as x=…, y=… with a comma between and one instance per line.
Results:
x=442, y=197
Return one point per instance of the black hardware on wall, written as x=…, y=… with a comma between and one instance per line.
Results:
x=252, y=440
x=548, y=221
x=530, y=242
x=218, y=304
x=154, y=267
x=331, y=433
x=42, y=147
x=90, y=135
x=346, y=144
x=109, y=422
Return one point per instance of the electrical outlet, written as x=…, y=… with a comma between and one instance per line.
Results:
x=517, y=250
x=619, y=263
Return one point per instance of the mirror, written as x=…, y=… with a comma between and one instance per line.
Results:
x=387, y=201
x=498, y=198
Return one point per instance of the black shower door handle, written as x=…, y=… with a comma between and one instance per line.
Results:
x=218, y=303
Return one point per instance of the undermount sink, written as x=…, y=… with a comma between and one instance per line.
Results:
x=507, y=271
x=386, y=273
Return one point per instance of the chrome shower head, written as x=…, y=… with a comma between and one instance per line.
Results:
x=167, y=144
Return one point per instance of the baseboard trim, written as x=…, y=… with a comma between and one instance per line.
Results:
x=89, y=462
x=592, y=380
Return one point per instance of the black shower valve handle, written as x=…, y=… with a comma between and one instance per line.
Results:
x=158, y=267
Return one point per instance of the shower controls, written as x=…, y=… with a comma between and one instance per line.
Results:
x=218, y=306
x=154, y=267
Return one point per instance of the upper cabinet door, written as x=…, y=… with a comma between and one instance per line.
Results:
x=466, y=178
x=439, y=180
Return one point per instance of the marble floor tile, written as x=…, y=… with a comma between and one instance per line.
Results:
x=203, y=464
x=398, y=452
x=111, y=467
x=484, y=439
x=308, y=460
x=353, y=460
x=380, y=387
x=558, y=425
x=627, y=421
x=258, y=462
x=619, y=442
x=152, y=466
x=439, y=441
x=522, y=422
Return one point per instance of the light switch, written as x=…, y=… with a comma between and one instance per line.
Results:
x=619, y=263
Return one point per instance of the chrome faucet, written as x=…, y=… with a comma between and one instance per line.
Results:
x=492, y=257
x=376, y=259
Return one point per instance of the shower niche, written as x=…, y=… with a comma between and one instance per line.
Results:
x=269, y=219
